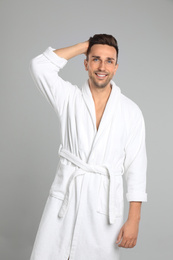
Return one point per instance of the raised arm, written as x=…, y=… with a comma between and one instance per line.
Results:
x=72, y=51
x=45, y=72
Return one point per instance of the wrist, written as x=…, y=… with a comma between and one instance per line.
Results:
x=135, y=218
x=135, y=211
x=83, y=47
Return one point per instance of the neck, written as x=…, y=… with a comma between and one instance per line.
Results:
x=100, y=94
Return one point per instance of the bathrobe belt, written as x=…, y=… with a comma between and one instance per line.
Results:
x=84, y=168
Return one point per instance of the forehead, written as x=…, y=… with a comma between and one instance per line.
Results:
x=103, y=51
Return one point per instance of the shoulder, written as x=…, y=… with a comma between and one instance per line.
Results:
x=130, y=111
x=129, y=104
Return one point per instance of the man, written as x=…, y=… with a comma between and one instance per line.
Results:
x=103, y=137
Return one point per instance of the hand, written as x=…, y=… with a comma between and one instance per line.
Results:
x=86, y=44
x=72, y=51
x=128, y=234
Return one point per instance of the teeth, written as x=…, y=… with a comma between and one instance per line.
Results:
x=101, y=75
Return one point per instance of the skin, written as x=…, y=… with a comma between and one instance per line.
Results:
x=101, y=66
x=128, y=234
x=100, y=72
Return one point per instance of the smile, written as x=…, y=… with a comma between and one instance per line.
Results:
x=101, y=76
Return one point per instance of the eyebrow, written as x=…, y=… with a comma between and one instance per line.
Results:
x=98, y=57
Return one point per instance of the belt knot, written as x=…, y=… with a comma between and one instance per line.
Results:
x=84, y=168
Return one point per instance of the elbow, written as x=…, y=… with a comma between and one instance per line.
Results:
x=33, y=67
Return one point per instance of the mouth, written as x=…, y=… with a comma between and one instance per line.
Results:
x=101, y=75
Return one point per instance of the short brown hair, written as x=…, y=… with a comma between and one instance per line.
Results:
x=106, y=39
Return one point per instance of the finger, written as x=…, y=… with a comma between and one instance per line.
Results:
x=119, y=237
x=123, y=242
x=126, y=245
x=132, y=243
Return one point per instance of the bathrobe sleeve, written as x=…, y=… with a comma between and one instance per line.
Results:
x=44, y=71
x=136, y=161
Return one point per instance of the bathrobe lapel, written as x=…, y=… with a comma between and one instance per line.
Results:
x=87, y=96
x=111, y=110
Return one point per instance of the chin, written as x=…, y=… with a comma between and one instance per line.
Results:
x=102, y=85
x=99, y=85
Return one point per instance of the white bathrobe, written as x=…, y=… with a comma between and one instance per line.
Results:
x=84, y=211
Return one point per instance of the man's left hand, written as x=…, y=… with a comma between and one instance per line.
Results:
x=128, y=234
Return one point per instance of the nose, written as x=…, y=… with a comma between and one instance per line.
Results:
x=101, y=65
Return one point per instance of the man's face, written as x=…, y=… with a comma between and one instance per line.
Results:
x=101, y=65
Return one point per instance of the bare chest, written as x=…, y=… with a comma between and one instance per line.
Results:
x=99, y=109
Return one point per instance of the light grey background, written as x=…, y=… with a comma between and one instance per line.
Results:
x=29, y=131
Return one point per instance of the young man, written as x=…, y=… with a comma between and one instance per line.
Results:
x=103, y=137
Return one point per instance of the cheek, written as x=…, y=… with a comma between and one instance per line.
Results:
x=114, y=71
x=89, y=68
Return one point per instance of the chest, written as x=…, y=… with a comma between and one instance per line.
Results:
x=89, y=127
x=99, y=111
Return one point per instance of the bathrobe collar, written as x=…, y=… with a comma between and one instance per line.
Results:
x=112, y=107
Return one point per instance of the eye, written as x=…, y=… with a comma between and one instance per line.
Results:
x=95, y=59
x=109, y=61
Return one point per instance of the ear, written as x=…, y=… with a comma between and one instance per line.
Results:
x=86, y=64
x=116, y=67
